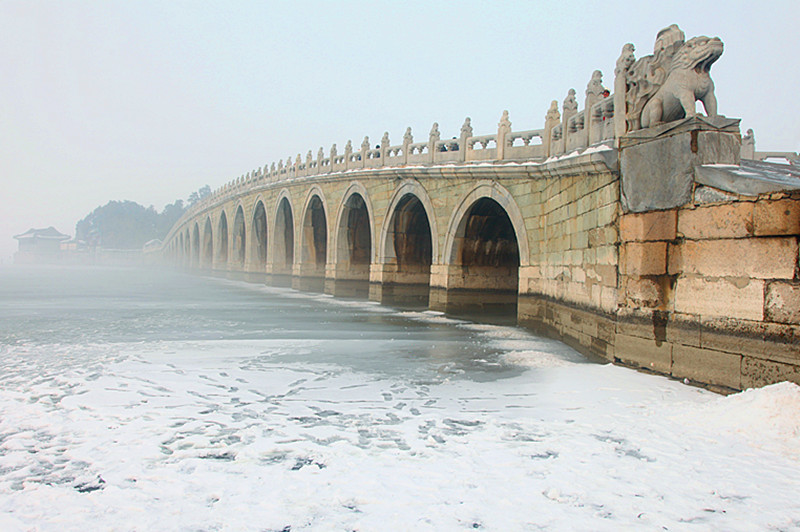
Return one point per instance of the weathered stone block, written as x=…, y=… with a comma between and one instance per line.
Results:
x=643, y=353
x=720, y=297
x=757, y=372
x=648, y=226
x=777, y=217
x=642, y=293
x=707, y=366
x=760, y=258
x=733, y=220
x=643, y=258
x=783, y=302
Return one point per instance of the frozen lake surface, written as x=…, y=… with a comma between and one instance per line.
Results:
x=138, y=402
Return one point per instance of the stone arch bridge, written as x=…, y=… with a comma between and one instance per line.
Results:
x=671, y=248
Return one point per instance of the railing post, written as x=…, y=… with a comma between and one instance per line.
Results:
x=594, y=93
x=364, y=151
x=384, y=147
x=348, y=154
x=621, y=73
x=433, y=138
x=333, y=156
x=551, y=120
x=466, y=132
x=570, y=109
x=503, y=132
x=408, y=140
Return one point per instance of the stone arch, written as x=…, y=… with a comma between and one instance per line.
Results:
x=504, y=199
x=283, y=236
x=222, y=239
x=354, y=211
x=314, y=232
x=207, y=255
x=408, y=247
x=386, y=245
x=195, y=246
x=258, y=235
x=239, y=237
x=180, y=247
x=485, y=246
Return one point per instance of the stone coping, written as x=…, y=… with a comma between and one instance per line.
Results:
x=750, y=178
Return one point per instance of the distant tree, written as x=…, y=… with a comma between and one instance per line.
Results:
x=126, y=224
x=202, y=192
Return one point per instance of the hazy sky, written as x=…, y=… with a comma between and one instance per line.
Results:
x=148, y=101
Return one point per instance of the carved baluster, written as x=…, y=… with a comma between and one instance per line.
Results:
x=320, y=157
x=333, y=156
x=364, y=151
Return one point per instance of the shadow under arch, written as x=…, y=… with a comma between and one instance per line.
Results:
x=313, y=243
x=207, y=258
x=195, y=261
x=352, y=249
x=408, y=248
x=283, y=241
x=258, y=236
x=221, y=260
x=239, y=235
x=485, y=246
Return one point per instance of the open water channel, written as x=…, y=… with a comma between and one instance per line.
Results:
x=135, y=400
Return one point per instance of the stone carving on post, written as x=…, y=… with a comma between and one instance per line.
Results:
x=364, y=151
x=384, y=146
x=594, y=93
x=551, y=120
x=503, y=134
x=569, y=109
x=320, y=158
x=309, y=159
x=466, y=133
x=433, y=138
x=348, y=154
x=664, y=87
x=749, y=145
x=621, y=87
x=333, y=156
x=408, y=140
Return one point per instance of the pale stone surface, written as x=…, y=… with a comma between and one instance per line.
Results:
x=643, y=258
x=720, y=298
x=648, y=226
x=758, y=372
x=776, y=217
x=783, y=302
x=658, y=165
x=734, y=220
x=761, y=258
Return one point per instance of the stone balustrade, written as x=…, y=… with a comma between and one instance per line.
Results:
x=575, y=132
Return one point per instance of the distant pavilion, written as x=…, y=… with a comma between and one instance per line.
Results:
x=39, y=245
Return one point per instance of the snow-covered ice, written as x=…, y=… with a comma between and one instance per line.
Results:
x=284, y=432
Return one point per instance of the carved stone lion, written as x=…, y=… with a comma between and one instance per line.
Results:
x=688, y=80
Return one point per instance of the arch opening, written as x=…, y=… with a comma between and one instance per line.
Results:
x=222, y=244
x=484, y=262
x=195, y=247
x=353, y=248
x=283, y=252
x=259, y=236
x=239, y=240
x=208, y=245
x=315, y=238
x=409, y=253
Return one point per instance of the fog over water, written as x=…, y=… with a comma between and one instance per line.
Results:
x=134, y=400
